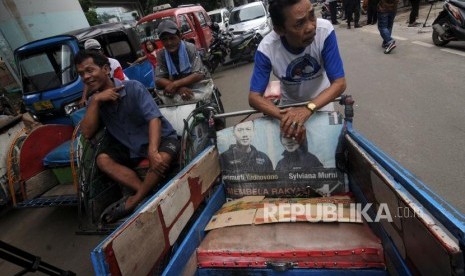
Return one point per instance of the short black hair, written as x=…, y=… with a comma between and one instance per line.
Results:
x=276, y=9
x=99, y=59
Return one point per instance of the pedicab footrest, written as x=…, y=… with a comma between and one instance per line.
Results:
x=61, y=200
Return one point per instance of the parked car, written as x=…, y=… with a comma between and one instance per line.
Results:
x=220, y=16
x=250, y=16
x=192, y=20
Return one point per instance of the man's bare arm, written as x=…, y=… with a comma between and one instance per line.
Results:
x=258, y=102
x=91, y=121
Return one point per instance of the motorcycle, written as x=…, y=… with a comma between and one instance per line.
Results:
x=450, y=23
x=219, y=48
x=326, y=14
x=228, y=49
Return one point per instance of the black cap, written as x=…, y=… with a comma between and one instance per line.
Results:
x=167, y=26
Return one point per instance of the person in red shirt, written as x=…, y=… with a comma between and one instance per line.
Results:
x=151, y=54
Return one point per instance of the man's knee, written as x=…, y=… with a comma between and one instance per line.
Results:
x=167, y=157
x=103, y=161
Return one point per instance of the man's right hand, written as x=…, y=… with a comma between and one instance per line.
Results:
x=82, y=103
x=158, y=164
x=171, y=88
x=110, y=94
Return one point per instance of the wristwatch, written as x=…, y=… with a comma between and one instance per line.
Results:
x=312, y=107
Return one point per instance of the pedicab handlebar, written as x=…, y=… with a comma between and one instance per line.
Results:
x=345, y=100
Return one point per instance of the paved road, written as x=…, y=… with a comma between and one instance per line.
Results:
x=409, y=103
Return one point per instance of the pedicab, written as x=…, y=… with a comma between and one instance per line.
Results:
x=357, y=212
x=50, y=85
x=39, y=167
x=62, y=170
x=195, y=126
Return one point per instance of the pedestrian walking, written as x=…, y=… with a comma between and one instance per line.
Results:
x=333, y=11
x=387, y=10
x=352, y=11
x=372, y=13
x=412, y=22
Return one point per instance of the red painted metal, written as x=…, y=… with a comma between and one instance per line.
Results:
x=38, y=144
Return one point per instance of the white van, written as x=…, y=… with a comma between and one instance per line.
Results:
x=250, y=16
x=220, y=16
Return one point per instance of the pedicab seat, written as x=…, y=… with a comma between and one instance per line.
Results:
x=297, y=244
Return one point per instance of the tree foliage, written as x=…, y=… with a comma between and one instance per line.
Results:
x=89, y=11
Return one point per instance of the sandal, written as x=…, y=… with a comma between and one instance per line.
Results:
x=115, y=211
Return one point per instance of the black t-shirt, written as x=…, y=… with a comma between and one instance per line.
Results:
x=234, y=160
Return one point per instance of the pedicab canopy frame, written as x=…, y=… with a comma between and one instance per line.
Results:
x=49, y=80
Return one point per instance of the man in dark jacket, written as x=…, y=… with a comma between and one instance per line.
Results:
x=242, y=156
x=386, y=13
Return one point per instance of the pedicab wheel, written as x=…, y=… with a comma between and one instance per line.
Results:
x=216, y=97
x=217, y=100
x=95, y=190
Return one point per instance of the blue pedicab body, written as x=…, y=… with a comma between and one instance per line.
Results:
x=169, y=230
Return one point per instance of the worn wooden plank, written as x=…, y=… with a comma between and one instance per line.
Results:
x=416, y=235
x=384, y=194
x=136, y=248
x=62, y=189
x=426, y=251
x=39, y=184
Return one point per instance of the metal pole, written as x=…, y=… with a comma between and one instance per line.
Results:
x=253, y=111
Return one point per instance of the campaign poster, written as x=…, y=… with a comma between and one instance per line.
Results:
x=256, y=160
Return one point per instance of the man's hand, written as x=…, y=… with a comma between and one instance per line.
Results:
x=292, y=122
x=157, y=164
x=110, y=94
x=186, y=93
x=82, y=102
x=171, y=89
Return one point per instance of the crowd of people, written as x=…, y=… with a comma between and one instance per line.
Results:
x=381, y=12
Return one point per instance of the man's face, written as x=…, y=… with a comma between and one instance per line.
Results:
x=300, y=25
x=170, y=42
x=244, y=133
x=289, y=144
x=92, y=75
